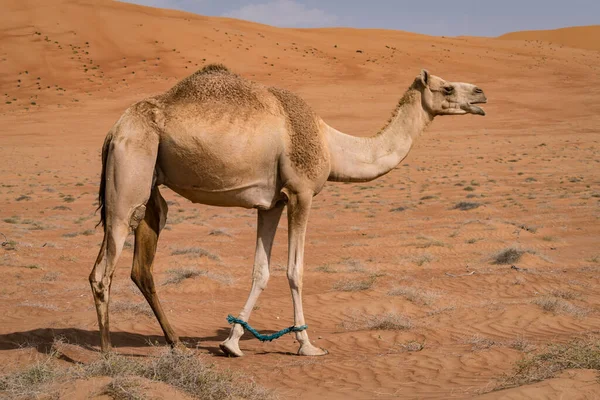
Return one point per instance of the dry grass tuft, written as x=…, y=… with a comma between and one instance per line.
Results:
x=559, y=306
x=349, y=285
x=326, y=268
x=50, y=276
x=140, y=308
x=510, y=255
x=423, y=259
x=578, y=353
x=184, y=371
x=176, y=276
x=565, y=294
x=479, y=342
x=29, y=383
x=125, y=388
x=218, y=232
x=418, y=296
x=195, y=251
x=521, y=344
x=390, y=321
x=413, y=345
x=466, y=205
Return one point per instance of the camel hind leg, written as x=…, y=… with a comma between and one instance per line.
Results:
x=146, y=239
x=129, y=159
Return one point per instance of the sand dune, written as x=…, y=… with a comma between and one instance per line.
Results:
x=68, y=69
x=582, y=37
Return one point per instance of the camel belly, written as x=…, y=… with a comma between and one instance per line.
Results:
x=256, y=195
x=229, y=168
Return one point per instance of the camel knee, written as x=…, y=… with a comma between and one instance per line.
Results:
x=99, y=288
x=261, y=276
x=294, y=277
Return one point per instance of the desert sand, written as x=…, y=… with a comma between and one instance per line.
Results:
x=68, y=69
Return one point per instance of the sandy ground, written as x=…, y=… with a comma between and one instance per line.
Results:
x=68, y=69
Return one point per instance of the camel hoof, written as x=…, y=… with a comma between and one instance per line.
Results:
x=180, y=347
x=231, y=349
x=310, y=350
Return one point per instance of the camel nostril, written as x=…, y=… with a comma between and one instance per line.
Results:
x=477, y=90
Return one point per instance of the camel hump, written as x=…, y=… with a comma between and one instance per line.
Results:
x=215, y=85
x=212, y=68
x=306, y=146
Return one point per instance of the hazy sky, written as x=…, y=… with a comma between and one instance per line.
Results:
x=434, y=17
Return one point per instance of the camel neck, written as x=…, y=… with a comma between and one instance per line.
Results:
x=360, y=159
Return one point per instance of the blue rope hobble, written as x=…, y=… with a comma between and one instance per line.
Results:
x=265, y=338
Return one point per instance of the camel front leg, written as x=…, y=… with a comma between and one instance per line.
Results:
x=265, y=234
x=298, y=210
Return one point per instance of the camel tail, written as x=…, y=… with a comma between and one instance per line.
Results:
x=101, y=191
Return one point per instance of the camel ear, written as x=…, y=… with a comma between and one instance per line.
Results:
x=424, y=77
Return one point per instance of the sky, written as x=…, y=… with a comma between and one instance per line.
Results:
x=433, y=17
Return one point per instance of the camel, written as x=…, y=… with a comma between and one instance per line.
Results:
x=218, y=139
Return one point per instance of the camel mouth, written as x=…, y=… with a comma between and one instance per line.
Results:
x=473, y=109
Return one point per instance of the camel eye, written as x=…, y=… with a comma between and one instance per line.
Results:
x=448, y=89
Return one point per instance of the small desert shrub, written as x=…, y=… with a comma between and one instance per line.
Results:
x=510, y=255
x=413, y=345
x=353, y=265
x=23, y=197
x=184, y=371
x=521, y=344
x=418, y=296
x=177, y=276
x=577, y=354
x=326, y=268
x=479, y=342
x=594, y=259
x=559, y=306
x=50, y=276
x=386, y=321
x=391, y=321
x=398, y=209
x=423, y=259
x=68, y=199
x=125, y=388
x=28, y=382
x=429, y=242
x=197, y=251
x=218, y=232
x=466, y=205
x=441, y=310
x=348, y=285
x=141, y=308
x=565, y=294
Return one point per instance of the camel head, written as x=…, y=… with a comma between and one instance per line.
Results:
x=440, y=97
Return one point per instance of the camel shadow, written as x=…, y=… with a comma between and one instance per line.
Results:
x=42, y=339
